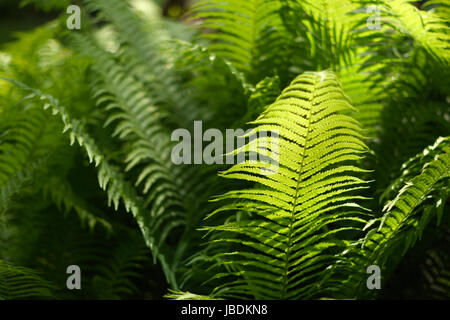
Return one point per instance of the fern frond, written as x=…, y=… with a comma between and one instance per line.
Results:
x=110, y=178
x=218, y=86
x=139, y=122
x=413, y=166
x=426, y=28
x=144, y=51
x=322, y=30
x=61, y=193
x=289, y=223
x=331, y=34
x=429, y=30
x=414, y=192
x=248, y=34
x=19, y=141
x=404, y=218
x=21, y=283
x=25, y=145
x=175, y=195
x=440, y=7
x=180, y=295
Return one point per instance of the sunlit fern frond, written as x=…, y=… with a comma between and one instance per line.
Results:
x=285, y=230
x=414, y=165
x=427, y=29
x=440, y=7
x=180, y=295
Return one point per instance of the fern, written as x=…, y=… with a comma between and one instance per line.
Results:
x=63, y=196
x=353, y=171
x=110, y=179
x=179, y=295
x=420, y=25
x=282, y=216
x=246, y=34
x=405, y=217
x=145, y=56
x=21, y=283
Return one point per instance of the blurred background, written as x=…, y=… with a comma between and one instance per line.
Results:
x=23, y=15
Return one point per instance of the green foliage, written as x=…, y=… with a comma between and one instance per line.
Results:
x=21, y=283
x=47, y=5
x=362, y=153
x=284, y=221
x=420, y=194
x=248, y=34
x=179, y=295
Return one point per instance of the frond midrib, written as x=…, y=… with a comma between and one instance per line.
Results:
x=296, y=197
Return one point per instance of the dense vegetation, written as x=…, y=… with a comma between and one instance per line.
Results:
x=362, y=111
